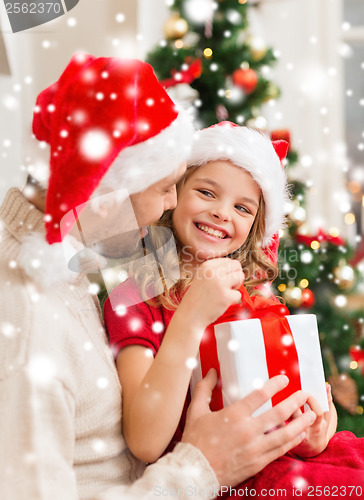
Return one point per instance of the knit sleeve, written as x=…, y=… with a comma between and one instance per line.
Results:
x=185, y=472
x=134, y=324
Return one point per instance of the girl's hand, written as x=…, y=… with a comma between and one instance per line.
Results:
x=321, y=431
x=214, y=288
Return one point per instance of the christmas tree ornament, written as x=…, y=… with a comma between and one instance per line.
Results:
x=258, y=122
x=257, y=47
x=308, y=298
x=343, y=387
x=345, y=392
x=272, y=92
x=281, y=134
x=293, y=296
x=357, y=354
x=344, y=275
x=246, y=79
x=191, y=39
x=221, y=112
x=297, y=215
x=175, y=27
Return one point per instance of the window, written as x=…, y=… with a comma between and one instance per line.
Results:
x=353, y=38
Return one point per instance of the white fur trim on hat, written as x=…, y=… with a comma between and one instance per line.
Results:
x=47, y=264
x=253, y=151
x=139, y=166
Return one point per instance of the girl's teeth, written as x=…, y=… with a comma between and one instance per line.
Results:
x=212, y=232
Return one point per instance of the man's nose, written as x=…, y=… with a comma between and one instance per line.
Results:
x=170, y=201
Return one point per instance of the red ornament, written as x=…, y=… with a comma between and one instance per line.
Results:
x=246, y=79
x=281, y=134
x=357, y=354
x=307, y=298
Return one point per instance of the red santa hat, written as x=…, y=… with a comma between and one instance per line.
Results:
x=108, y=122
x=253, y=151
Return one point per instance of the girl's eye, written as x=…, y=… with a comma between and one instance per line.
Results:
x=243, y=209
x=205, y=192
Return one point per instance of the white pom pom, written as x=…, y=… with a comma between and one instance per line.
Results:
x=45, y=264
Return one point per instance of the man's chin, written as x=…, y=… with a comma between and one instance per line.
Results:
x=121, y=246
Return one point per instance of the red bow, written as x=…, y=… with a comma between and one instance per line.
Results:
x=188, y=75
x=321, y=237
x=281, y=357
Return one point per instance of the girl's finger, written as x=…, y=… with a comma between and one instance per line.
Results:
x=315, y=406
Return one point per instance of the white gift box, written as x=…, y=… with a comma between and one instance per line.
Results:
x=242, y=358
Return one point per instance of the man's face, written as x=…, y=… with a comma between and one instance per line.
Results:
x=115, y=229
x=149, y=205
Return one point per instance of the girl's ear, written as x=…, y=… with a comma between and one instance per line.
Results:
x=281, y=148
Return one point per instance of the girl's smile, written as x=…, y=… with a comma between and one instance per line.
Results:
x=216, y=209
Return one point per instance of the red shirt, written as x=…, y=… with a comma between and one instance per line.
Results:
x=130, y=321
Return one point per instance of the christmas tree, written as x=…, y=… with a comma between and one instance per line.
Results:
x=213, y=63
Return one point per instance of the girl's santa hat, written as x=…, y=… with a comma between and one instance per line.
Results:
x=253, y=151
x=109, y=123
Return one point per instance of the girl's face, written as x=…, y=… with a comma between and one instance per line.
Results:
x=215, y=211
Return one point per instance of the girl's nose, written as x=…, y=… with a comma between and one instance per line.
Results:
x=222, y=213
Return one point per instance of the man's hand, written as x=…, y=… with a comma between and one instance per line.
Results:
x=236, y=444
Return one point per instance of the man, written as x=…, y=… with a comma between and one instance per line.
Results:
x=110, y=125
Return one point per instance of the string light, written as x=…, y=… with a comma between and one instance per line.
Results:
x=315, y=245
x=334, y=232
x=304, y=283
x=349, y=218
x=207, y=53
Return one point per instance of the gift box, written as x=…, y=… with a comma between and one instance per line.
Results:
x=256, y=340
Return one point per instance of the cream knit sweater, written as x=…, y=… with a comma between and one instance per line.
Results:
x=60, y=397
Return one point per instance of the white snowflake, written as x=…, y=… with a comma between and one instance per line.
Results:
x=191, y=363
x=102, y=382
x=71, y=22
x=98, y=445
x=93, y=288
x=88, y=346
x=233, y=345
x=41, y=369
x=95, y=144
x=8, y=330
x=287, y=340
x=120, y=17
x=135, y=324
x=157, y=327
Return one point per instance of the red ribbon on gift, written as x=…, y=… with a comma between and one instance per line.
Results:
x=320, y=236
x=281, y=351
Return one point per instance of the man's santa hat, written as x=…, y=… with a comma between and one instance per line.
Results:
x=256, y=153
x=109, y=123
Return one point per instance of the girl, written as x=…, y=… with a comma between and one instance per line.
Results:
x=230, y=204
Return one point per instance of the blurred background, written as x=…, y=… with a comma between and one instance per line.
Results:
x=294, y=70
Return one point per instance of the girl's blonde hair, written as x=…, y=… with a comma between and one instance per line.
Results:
x=258, y=268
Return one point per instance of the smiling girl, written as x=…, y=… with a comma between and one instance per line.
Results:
x=230, y=206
